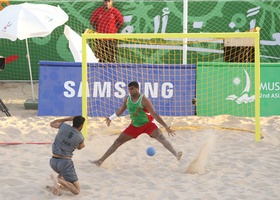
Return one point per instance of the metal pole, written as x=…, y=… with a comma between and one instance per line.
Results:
x=30, y=70
x=4, y=108
x=185, y=30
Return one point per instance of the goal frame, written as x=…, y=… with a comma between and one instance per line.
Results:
x=254, y=35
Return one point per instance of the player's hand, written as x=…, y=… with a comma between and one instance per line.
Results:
x=108, y=121
x=170, y=131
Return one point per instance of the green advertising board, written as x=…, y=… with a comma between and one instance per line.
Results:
x=270, y=89
x=225, y=88
x=228, y=88
x=146, y=16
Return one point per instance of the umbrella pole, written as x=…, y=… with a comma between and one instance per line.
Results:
x=30, y=70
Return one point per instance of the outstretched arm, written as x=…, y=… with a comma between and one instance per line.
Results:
x=56, y=123
x=146, y=103
x=117, y=113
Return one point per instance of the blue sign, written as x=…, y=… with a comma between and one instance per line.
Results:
x=53, y=99
x=171, y=88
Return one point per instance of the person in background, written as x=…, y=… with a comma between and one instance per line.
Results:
x=106, y=19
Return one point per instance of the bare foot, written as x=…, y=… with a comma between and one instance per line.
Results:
x=55, y=189
x=49, y=188
x=96, y=162
x=179, y=155
x=61, y=187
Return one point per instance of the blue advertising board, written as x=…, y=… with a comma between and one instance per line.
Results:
x=52, y=98
x=170, y=88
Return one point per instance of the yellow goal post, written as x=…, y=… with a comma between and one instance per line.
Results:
x=186, y=39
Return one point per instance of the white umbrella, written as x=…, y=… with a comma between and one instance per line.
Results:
x=27, y=20
x=75, y=46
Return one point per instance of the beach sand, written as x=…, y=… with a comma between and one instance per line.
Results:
x=216, y=164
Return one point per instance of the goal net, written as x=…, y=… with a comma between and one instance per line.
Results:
x=184, y=75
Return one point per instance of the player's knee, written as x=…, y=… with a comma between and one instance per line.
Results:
x=118, y=143
x=76, y=192
x=160, y=137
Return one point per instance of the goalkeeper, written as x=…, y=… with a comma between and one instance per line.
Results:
x=142, y=114
x=106, y=19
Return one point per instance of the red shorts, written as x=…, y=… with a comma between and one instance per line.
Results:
x=136, y=131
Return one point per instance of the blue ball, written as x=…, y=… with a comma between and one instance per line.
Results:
x=151, y=151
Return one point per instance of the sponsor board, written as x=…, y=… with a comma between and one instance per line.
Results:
x=60, y=87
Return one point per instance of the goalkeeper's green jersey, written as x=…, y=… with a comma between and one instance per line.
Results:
x=139, y=115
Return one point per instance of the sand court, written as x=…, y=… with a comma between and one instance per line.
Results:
x=228, y=164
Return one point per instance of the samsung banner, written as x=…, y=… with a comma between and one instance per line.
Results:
x=171, y=89
x=60, y=89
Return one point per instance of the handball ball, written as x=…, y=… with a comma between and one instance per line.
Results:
x=151, y=151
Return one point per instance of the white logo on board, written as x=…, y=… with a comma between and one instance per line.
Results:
x=243, y=97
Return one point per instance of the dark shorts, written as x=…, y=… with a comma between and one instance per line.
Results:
x=136, y=131
x=65, y=168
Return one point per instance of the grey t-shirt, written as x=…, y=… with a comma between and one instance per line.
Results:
x=67, y=140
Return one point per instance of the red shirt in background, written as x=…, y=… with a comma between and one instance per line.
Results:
x=106, y=20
